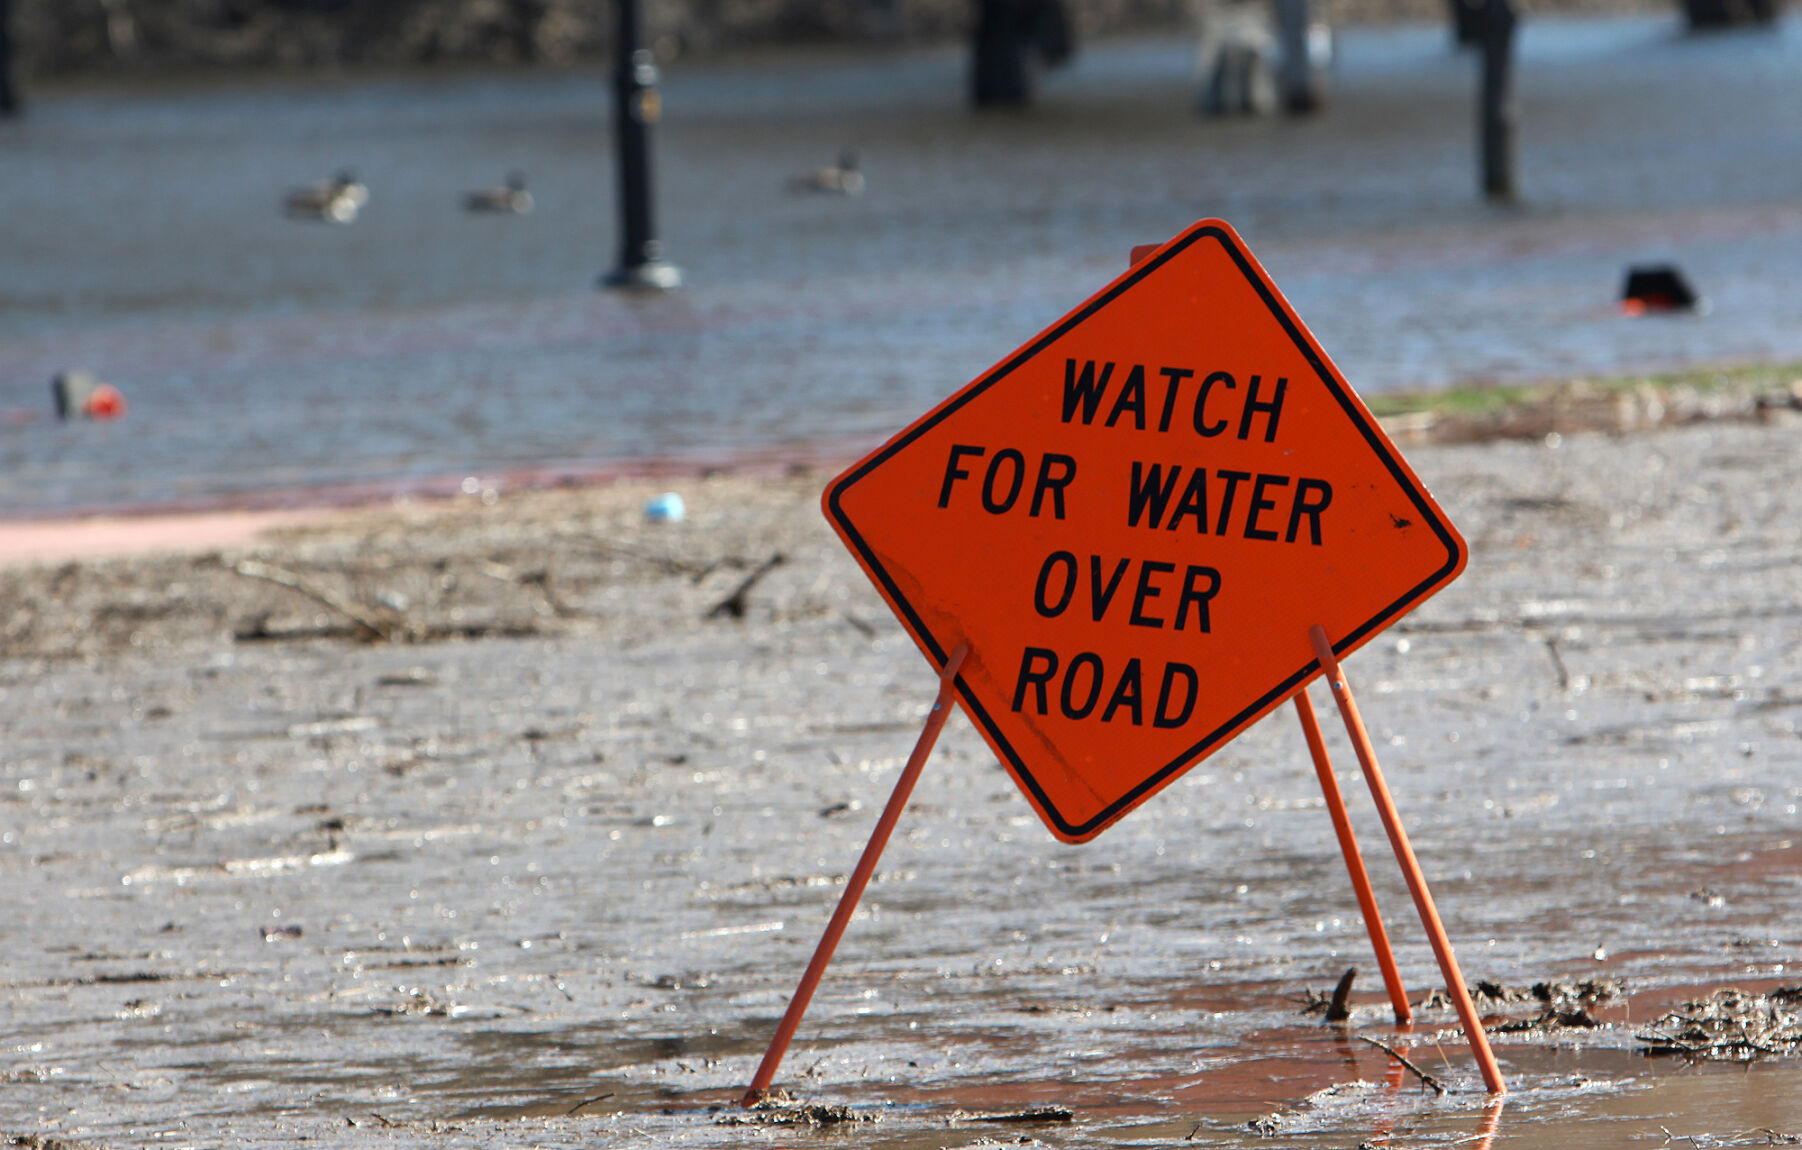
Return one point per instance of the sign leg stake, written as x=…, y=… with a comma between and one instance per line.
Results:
x=1404, y=854
x=860, y=878
x=1354, y=859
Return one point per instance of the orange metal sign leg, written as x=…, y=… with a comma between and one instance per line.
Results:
x=1354, y=859
x=860, y=878
x=1404, y=854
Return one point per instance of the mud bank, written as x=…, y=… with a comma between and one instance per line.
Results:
x=513, y=820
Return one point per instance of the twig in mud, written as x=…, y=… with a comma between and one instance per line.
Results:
x=667, y=563
x=1737, y=1138
x=862, y=627
x=1030, y=1114
x=1551, y=646
x=729, y=563
x=375, y=625
x=538, y=577
x=570, y=1113
x=1694, y=1140
x=733, y=605
x=1428, y=1079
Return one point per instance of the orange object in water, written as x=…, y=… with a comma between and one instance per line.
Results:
x=107, y=402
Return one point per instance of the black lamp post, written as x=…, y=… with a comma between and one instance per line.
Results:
x=636, y=106
x=1498, y=114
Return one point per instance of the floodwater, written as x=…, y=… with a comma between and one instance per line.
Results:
x=141, y=238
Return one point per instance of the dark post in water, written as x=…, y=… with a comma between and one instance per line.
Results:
x=9, y=97
x=1499, y=114
x=636, y=106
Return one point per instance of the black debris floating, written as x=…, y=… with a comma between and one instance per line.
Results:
x=1657, y=288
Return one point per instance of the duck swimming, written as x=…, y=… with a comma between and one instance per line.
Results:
x=510, y=198
x=335, y=201
x=843, y=180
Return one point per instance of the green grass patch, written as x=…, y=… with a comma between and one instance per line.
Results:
x=1483, y=399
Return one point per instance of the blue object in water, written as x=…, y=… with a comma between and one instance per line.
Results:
x=665, y=508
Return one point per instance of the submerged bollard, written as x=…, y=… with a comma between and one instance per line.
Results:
x=636, y=106
x=1499, y=110
x=1302, y=83
x=1703, y=15
x=9, y=96
x=1467, y=22
x=1010, y=42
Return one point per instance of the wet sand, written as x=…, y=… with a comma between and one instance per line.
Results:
x=100, y=537
x=496, y=832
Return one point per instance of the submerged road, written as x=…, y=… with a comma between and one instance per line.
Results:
x=141, y=237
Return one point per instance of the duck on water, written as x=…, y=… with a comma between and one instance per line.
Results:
x=334, y=201
x=510, y=198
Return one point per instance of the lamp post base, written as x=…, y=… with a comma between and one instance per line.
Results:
x=652, y=275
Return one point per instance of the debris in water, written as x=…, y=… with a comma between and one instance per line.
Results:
x=1585, y=993
x=1763, y=1136
x=780, y=1108
x=1334, y=1006
x=1658, y=288
x=1030, y=1114
x=1550, y=1019
x=419, y=1002
x=1337, y=1010
x=1332, y=1098
x=1730, y=1024
x=41, y=1142
x=79, y=395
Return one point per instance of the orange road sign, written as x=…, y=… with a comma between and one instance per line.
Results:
x=1134, y=520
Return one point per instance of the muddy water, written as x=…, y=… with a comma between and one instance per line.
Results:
x=556, y=890
x=140, y=237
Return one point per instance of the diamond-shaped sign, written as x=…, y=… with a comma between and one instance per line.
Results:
x=1133, y=521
